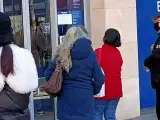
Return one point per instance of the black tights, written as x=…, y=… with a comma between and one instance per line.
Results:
x=158, y=103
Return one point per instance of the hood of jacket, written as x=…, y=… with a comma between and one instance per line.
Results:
x=81, y=49
x=25, y=79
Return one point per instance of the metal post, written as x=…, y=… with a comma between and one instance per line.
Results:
x=1, y=6
x=54, y=25
x=26, y=24
x=87, y=16
x=54, y=38
x=27, y=43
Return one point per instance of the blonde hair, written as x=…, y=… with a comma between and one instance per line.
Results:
x=63, y=53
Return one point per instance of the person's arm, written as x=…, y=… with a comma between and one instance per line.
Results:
x=148, y=62
x=98, y=76
x=40, y=42
x=149, y=59
x=50, y=70
x=152, y=46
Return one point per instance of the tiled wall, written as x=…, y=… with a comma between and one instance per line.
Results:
x=120, y=14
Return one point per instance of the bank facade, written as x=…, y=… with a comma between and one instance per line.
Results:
x=132, y=18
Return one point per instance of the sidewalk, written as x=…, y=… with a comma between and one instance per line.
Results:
x=146, y=117
x=147, y=114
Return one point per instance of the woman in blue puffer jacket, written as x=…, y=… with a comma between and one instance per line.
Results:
x=80, y=64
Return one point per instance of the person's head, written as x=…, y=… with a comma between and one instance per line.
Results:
x=156, y=21
x=39, y=23
x=63, y=53
x=6, y=38
x=112, y=37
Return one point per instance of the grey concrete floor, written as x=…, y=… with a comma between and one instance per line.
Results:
x=48, y=116
x=143, y=117
x=146, y=117
x=147, y=114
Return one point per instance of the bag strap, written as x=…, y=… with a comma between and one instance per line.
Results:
x=58, y=66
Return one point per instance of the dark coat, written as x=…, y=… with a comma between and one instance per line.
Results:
x=77, y=99
x=15, y=89
x=37, y=46
x=14, y=106
x=153, y=63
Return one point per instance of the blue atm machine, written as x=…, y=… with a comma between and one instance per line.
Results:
x=70, y=13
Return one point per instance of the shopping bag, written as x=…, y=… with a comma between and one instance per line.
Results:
x=102, y=92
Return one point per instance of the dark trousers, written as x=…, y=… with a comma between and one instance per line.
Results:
x=158, y=103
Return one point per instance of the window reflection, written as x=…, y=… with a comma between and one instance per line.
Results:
x=42, y=50
x=14, y=9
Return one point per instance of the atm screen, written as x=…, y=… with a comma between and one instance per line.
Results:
x=64, y=18
x=69, y=13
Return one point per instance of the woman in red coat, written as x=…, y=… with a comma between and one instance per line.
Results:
x=111, y=62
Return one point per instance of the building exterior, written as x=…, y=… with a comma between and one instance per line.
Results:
x=131, y=17
x=120, y=14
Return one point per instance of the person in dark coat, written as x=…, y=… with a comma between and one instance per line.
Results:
x=18, y=75
x=81, y=66
x=152, y=64
x=37, y=44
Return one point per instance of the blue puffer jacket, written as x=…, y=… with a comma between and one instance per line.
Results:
x=76, y=101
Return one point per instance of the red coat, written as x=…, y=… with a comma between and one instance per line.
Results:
x=111, y=61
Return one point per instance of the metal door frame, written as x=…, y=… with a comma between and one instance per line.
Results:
x=1, y=6
x=27, y=42
x=87, y=16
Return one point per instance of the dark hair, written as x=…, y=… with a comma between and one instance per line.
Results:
x=31, y=24
x=6, y=38
x=112, y=37
x=7, y=61
x=39, y=23
x=156, y=26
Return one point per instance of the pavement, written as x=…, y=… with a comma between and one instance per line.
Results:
x=147, y=114
x=146, y=117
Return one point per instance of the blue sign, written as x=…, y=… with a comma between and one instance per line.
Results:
x=77, y=17
x=64, y=12
x=146, y=10
x=77, y=4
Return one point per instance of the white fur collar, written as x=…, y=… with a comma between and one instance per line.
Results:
x=25, y=79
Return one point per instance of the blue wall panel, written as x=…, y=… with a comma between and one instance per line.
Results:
x=146, y=9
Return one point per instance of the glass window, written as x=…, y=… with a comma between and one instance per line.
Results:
x=14, y=9
x=41, y=49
